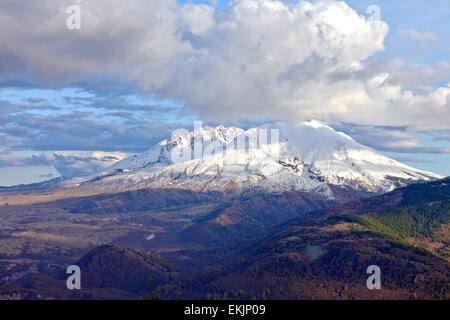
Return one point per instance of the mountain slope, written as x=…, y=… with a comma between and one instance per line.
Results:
x=326, y=257
x=320, y=255
x=274, y=158
x=108, y=272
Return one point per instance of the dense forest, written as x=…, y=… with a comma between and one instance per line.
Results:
x=410, y=221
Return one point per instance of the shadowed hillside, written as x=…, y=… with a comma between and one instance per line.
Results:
x=318, y=255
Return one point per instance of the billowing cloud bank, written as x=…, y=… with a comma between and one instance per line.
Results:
x=252, y=59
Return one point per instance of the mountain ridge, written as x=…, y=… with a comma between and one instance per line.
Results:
x=272, y=158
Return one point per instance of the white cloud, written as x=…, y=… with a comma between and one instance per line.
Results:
x=196, y=18
x=252, y=59
x=422, y=37
x=73, y=163
x=67, y=163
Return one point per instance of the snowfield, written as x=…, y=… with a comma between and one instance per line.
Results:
x=274, y=157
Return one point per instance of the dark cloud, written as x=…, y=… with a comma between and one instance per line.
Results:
x=81, y=130
x=442, y=138
x=35, y=100
x=121, y=103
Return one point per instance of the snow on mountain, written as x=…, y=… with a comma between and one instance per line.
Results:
x=274, y=157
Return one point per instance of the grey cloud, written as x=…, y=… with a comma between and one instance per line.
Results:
x=121, y=103
x=8, y=107
x=47, y=176
x=405, y=158
x=390, y=138
x=78, y=130
x=252, y=59
x=35, y=100
x=68, y=164
x=442, y=138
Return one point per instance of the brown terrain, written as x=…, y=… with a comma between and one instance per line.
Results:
x=178, y=244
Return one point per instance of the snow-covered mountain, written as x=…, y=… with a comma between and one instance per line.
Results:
x=275, y=157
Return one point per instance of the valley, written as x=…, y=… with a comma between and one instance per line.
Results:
x=284, y=246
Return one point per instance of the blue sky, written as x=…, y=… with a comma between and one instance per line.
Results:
x=94, y=97
x=420, y=16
